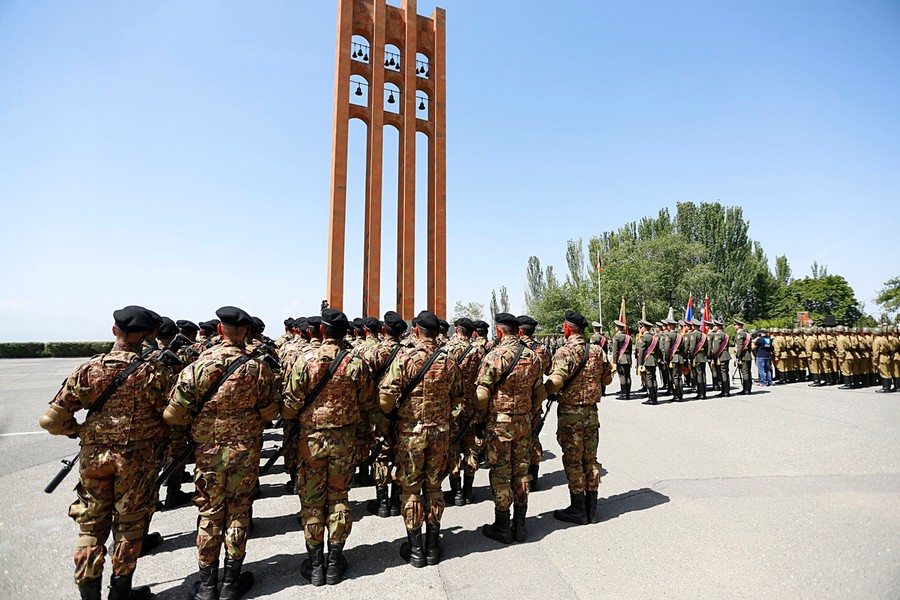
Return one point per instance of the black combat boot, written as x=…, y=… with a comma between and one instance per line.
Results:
x=873, y=379
x=726, y=389
x=363, y=478
x=208, y=586
x=90, y=589
x=885, y=386
x=468, y=480
x=381, y=505
x=590, y=507
x=575, y=513
x=847, y=383
x=748, y=386
x=411, y=550
x=534, y=471
x=174, y=496
x=120, y=589
x=628, y=392
x=395, y=500
x=500, y=529
x=235, y=583
x=896, y=384
x=432, y=544
x=518, y=523
x=454, y=496
x=337, y=564
x=313, y=568
x=651, y=399
x=151, y=542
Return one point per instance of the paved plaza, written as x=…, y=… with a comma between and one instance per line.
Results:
x=793, y=492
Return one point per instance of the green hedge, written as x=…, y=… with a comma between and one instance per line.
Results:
x=55, y=349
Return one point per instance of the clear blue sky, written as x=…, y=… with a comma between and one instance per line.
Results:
x=177, y=154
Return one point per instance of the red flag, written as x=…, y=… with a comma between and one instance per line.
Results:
x=705, y=315
x=599, y=263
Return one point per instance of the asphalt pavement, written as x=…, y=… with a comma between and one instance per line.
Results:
x=792, y=492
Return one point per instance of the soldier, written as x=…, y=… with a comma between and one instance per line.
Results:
x=442, y=338
x=895, y=356
x=743, y=356
x=421, y=386
x=597, y=338
x=662, y=334
x=621, y=359
x=648, y=355
x=578, y=372
x=125, y=397
x=511, y=389
x=881, y=351
x=327, y=390
x=288, y=333
x=674, y=357
x=186, y=352
x=227, y=396
x=289, y=353
x=719, y=343
x=527, y=326
x=464, y=418
x=814, y=359
x=380, y=359
x=698, y=347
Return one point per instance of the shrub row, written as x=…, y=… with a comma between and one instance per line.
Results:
x=55, y=349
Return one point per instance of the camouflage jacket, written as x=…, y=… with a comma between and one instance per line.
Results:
x=134, y=411
x=339, y=403
x=539, y=349
x=378, y=355
x=585, y=388
x=428, y=405
x=522, y=392
x=290, y=351
x=468, y=364
x=232, y=413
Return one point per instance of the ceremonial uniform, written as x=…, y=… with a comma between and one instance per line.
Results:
x=743, y=356
x=677, y=348
x=698, y=346
x=621, y=359
x=511, y=389
x=719, y=347
x=648, y=356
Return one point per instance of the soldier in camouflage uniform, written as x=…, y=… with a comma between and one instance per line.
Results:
x=423, y=435
x=578, y=426
x=117, y=466
x=365, y=426
x=527, y=326
x=462, y=453
x=621, y=359
x=288, y=333
x=743, y=356
x=380, y=359
x=511, y=390
x=328, y=422
x=227, y=429
x=719, y=343
x=289, y=353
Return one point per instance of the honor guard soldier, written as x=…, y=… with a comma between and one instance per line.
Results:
x=326, y=393
x=719, y=347
x=665, y=342
x=597, y=338
x=511, y=390
x=743, y=356
x=227, y=396
x=675, y=358
x=621, y=359
x=698, y=346
x=527, y=325
x=125, y=397
x=419, y=388
x=579, y=370
x=648, y=355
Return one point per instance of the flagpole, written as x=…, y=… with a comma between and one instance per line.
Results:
x=600, y=296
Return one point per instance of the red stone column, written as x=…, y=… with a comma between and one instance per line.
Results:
x=406, y=231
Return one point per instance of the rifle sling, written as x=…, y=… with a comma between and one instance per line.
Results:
x=414, y=383
x=512, y=365
x=387, y=364
x=587, y=349
x=224, y=376
x=118, y=380
x=321, y=385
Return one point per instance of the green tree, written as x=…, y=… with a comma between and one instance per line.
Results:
x=534, y=284
x=471, y=310
x=889, y=297
x=827, y=294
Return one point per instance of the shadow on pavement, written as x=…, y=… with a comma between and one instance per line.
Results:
x=620, y=504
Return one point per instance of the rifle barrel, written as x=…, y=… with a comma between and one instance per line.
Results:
x=54, y=483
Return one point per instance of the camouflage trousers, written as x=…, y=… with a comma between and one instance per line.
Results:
x=509, y=454
x=291, y=441
x=578, y=434
x=225, y=480
x=364, y=436
x=462, y=457
x=327, y=464
x=421, y=459
x=381, y=465
x=114, y=492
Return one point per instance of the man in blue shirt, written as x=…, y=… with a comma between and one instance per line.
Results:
x=764, y=357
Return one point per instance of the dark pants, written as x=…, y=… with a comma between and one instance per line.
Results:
x=699, y=372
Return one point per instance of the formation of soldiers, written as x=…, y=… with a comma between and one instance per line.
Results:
x=406, y=405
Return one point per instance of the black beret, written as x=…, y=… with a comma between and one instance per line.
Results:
x=289, y=322
x=207, y=326
x=428, y=320
x=314, y=322
x=506, y=319
x=394, y=323
x=465, y=323
x=373, y=324
x=444, y=325
x=415, y=322
x=258, y=323
x=234, y=316
x=358, y=321
x=155, y=316
x=168, y=327
x=526, y=321
x=185, y=325
x=335, y=318
x=481, y=326
x=575, y=319
x=133, y=319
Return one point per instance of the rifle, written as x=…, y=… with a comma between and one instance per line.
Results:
x=279, y=450
x=394, y=415
x=555, y=397
x=54, y=483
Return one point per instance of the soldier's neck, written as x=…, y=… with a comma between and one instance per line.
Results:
x=124, y=346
